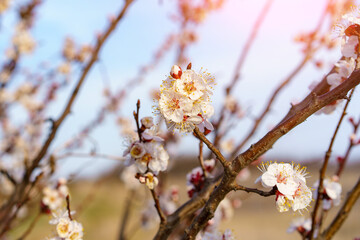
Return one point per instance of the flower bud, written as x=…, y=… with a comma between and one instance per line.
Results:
x=189, y=66
x=176, y=72
x=147, y=122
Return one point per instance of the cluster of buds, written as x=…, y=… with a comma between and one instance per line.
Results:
x=147, y=153
x=331, y=194
x=289, y=182
x=66, y=227
x=54, y=197
x=185, y=100
x=196, y=178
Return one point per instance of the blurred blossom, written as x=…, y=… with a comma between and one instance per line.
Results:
x=331, y=194
x=227, y=146
x=64, y=68
x=23, y=41
x=302, y=225
x=4, y=4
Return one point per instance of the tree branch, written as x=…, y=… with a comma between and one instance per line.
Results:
x=297, y=114
x=324, y=167
x=216, y=151
x=19, y=191
x=343, y=212
x=237, y=187
x=158, y=208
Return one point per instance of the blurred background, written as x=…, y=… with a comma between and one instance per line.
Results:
x=132, y=64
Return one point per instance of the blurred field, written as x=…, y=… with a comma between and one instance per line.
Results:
x=100, y=205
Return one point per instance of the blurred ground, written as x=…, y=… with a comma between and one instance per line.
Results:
x=100, y=205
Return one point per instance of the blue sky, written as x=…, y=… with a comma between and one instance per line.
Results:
x=221, y=38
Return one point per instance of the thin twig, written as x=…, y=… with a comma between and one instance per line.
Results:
x=254, y=190
x=136, y=116
x=244, y=53
x=8, y=176
x=201, y=158
x=352, y=144
x=309, y=52
x=324, y=167
x=216, y=151
x=158, y=208
x=68, y=207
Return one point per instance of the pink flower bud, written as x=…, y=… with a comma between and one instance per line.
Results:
x=189, y=66
x=351, y=120
x=176, y=72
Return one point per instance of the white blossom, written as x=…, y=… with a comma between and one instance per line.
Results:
x=332, y=192
x=290, y=182
x=147, y=122
x=185, y=100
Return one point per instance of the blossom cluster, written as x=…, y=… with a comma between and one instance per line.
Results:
x=147, y=154
x=54, y=203
x=66, y=227
x=185, y=100
x=54, y=197
x=349, y=30
x=196, y=178
x=290, y=184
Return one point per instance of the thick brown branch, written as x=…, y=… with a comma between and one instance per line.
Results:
x=343, y=213
x=187, y=209
x=293, y=119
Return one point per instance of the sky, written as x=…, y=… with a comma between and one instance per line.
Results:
x=221, y=38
